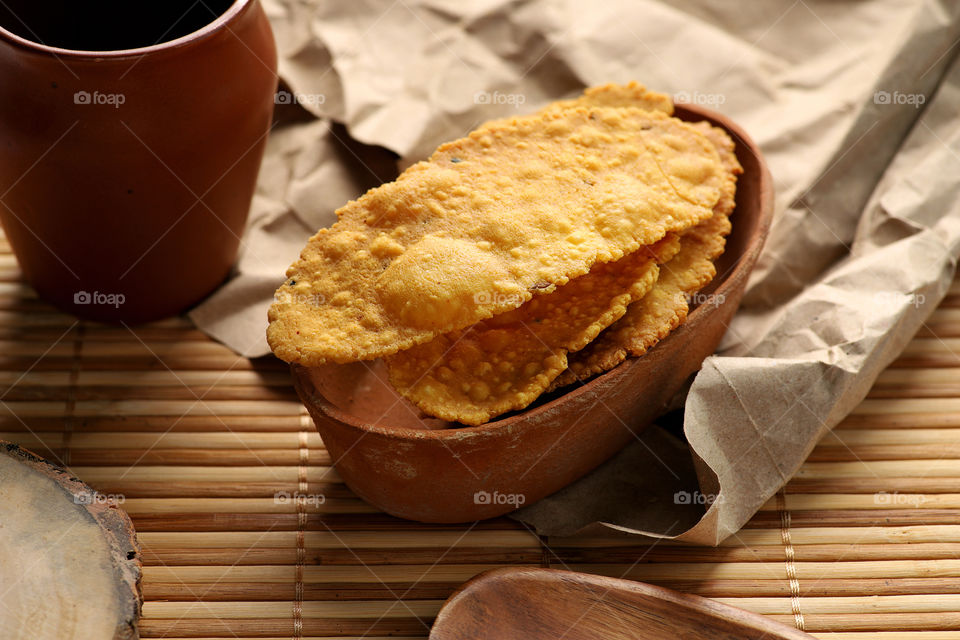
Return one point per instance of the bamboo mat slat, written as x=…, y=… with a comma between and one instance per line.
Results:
x=207, y=451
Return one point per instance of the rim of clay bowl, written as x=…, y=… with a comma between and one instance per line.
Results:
x=215, y=25
x=745, y=263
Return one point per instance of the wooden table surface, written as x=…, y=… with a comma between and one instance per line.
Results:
x=202, y=447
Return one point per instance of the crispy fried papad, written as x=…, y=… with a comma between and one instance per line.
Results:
x=489, y=221
x=652, y=318
x=506, y=362
x=632, y=94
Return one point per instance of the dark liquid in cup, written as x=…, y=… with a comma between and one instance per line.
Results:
x=107, y=25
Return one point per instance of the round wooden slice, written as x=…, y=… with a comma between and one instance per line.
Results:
x=69, y=558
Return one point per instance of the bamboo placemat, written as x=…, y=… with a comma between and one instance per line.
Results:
x=197, y=442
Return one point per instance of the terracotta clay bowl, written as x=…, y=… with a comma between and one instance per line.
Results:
x=421, y=468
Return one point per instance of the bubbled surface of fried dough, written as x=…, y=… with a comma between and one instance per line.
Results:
x=662, y=310
x=488, y=222
x=632, y=94
x=506, y=362
x=665, y=308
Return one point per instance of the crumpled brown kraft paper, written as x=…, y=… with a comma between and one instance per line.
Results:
x=853, y=104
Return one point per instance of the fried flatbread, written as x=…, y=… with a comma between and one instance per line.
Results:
x=632, y=94
x=652, y=318
x=511, y=211
x=506, y=362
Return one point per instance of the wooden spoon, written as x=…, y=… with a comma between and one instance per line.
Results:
x=69, y=560
x=546, y=604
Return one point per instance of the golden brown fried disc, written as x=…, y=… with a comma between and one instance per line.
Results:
x=511, y=211
x=731, y=166
x=507, y=361
x=632, y=94
x=652, y=318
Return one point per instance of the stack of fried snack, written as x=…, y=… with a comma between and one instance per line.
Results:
x=532, y=254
